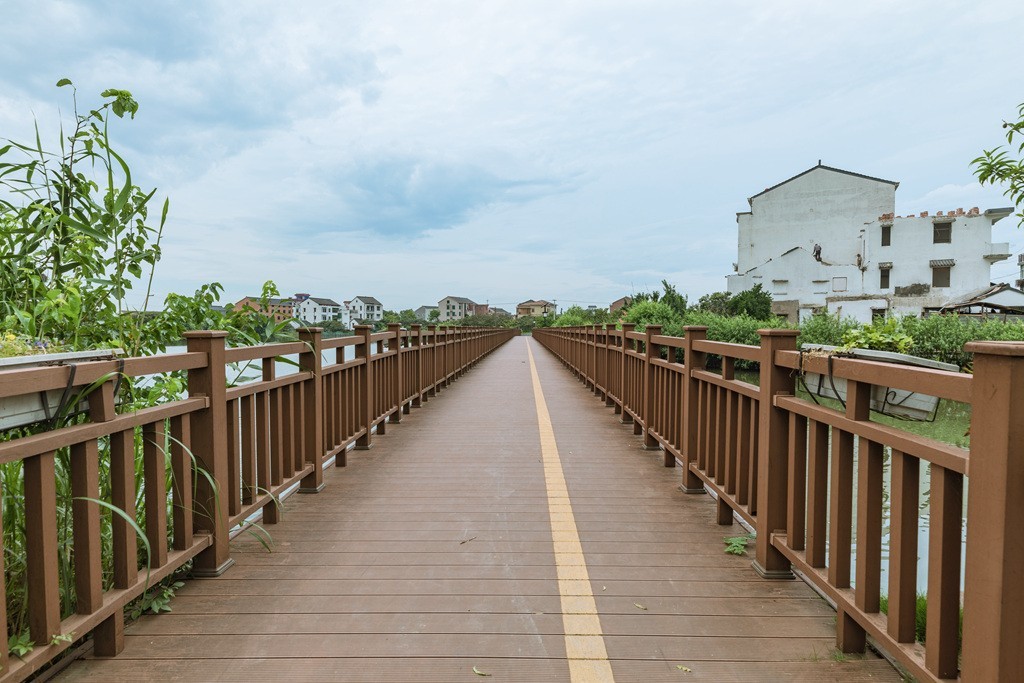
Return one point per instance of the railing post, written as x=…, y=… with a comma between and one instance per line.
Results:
x=210, y=448
x=650, y=441
x=994, y=579
x=692, y=360
x=396, y=381
x=417, y=343
x=609, y=400
x=311, y=360
x=432, y=370
x=773, y=454
x=626, y=329
x=364, y=351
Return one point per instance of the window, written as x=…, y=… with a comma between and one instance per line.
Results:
x=883, y=278
x=839, y=284
x=942, y=233
x=886, y=235
x=940, y=276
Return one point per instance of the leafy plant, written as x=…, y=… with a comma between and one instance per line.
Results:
x=881, y=335
x=155, y=600
x=998, y=166
x=20, y=644
x=737, y=545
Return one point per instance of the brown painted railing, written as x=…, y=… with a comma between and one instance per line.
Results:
x=788, y=467
x=233, y=452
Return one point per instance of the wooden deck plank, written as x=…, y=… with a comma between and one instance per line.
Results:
x=432, y=553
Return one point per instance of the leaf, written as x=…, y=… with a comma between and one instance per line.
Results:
x=478, y=672
x=684, y=669
x=64, y=81
x=639, y=606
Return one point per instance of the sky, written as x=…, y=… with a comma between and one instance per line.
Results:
x=574, y=151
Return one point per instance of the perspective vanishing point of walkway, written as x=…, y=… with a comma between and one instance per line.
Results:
x=509, y=530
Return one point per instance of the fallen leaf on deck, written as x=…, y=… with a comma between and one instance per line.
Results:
x=467, y=540
x=478, y=672
x=639, y=606
x=684, y=669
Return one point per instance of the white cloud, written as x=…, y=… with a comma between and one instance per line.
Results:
x=509, y=150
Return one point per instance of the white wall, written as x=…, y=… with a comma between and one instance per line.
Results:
x=844, y=214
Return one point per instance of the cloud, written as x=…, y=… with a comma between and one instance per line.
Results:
x=505, y=151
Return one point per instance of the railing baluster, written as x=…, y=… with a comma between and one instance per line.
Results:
x=797, y=494
x=234, y=483
x=869, y=524
x=903, y=529
x=85, y=488
x=41, y=547
x=248, y=441
x=817, y=494
x=155, y=474
x=944, y=532
x=181, y=467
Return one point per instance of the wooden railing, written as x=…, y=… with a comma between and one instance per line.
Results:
x=232, y=451
x=810, y=479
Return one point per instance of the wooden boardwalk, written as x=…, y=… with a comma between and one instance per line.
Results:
x=435, y=552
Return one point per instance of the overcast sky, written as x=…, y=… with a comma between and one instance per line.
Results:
x=572, y=151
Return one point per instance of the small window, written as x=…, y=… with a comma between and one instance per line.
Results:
x=839, y=284
x=942, y=233
x=883, y=278
x=940, y=276
x=886, y=235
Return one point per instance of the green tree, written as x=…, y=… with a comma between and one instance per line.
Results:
x=716, y=302
x=754, y=302
x=1000, y=166
x=655, y=313
x=75, y=233
x=434, y=315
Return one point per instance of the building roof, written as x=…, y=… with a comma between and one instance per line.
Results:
x=539, y=302
x=1001, y=297
x=460, y=299
x=368, y=300
x=324, y=302
x=894, y=183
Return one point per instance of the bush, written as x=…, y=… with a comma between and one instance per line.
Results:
x=644, y=313
x=825, y=328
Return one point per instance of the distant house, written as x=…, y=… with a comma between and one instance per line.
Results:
x=455, y=308
x=365, y=308
x=423, y=312
x=535, y=308
x=620, y=303
x=500, y=312
x=995, y=301
x=828, y=239
x=278, y=309
x=314, y=309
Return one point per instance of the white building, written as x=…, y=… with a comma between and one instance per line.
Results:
x=827, y=239
x=315, y=310
x=423, y=312
x=365, y=308
x=455, y=308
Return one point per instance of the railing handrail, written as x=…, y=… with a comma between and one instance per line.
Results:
x=766, y=455
x=253, y=442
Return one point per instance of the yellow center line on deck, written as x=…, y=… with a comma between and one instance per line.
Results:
x=584, y=641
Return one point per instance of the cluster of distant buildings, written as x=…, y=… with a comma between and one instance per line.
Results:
x=315, y=310
x=829, y=240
